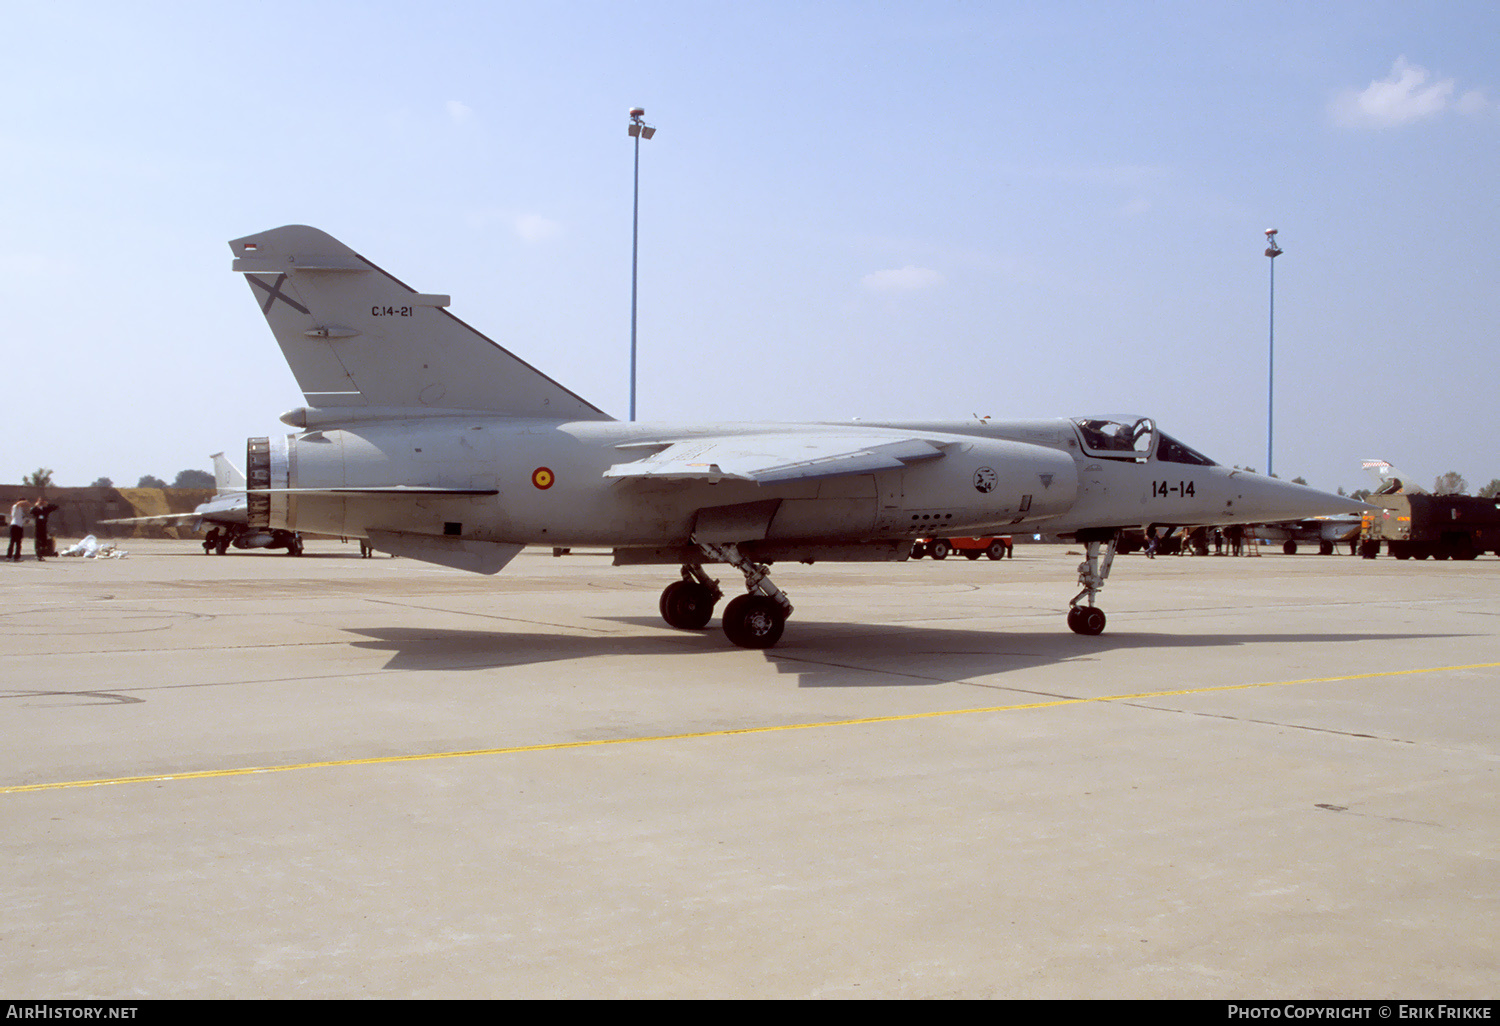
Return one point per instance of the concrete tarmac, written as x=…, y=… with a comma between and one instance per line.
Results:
x=262, y=776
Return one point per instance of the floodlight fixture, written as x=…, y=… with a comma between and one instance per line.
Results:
x=1273, y=251
x=638, y=130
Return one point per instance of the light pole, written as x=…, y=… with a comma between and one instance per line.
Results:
x=638, y=130
x=1273, y=251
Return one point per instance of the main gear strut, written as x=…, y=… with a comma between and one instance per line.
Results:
x=756, y=619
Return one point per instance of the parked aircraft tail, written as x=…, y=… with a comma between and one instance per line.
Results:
x=227, y=477
x=357, y=337
x=1390, y=481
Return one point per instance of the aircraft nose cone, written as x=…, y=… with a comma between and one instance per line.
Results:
x=1265, y=499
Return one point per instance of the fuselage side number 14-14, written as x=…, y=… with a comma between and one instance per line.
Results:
x=1162, y=489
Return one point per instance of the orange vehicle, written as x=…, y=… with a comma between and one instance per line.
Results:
x=995, y=546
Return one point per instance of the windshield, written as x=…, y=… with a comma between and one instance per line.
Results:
x=1170, y=450
x=1118, y=437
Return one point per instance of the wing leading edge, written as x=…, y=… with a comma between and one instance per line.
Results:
x=771, y=458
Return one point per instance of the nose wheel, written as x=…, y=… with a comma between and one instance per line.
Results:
x=1086, y=620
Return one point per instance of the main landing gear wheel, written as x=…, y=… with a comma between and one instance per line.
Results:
x=1086, y=620
x=754, y=621
x=687, y=605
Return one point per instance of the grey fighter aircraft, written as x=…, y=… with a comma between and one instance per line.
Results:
x=431, y=441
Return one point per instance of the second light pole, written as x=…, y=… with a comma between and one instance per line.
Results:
x=1273, y=251
x=638, y=130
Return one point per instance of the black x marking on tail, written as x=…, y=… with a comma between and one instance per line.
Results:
x=273, y=293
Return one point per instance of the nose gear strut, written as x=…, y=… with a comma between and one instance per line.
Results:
x=1092, y=574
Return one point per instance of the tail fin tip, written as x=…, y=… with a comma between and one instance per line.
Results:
x=356, y=336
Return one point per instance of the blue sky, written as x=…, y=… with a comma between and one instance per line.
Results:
x=870, y=210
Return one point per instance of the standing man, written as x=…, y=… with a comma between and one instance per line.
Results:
x=40, y=511
x=17, y=530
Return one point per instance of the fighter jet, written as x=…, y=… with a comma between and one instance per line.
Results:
x=432, y=441
x=1324, y=532
x=226, y=515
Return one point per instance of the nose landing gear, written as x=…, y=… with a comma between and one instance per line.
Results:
x=1092, y=573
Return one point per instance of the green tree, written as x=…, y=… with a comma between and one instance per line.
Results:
x=1491, y=490
x=41, y=477
x=1451, y=483
x=148, y=481
x=193, y=479
x=103, y=482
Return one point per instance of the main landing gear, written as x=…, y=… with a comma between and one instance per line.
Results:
x=753, y=620
x=1092, y=573
x=758, y=619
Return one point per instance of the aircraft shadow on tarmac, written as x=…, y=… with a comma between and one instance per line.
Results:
x=821, y=654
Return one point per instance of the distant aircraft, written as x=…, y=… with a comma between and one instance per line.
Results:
x=431, y=441
x=227, y=516
x=1389, y=480
x=1324, y=532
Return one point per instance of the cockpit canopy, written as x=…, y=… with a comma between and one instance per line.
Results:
x=1133, y=438
x=1117, y=436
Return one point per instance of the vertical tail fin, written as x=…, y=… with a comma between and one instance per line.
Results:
x=1390, y=481
x=356, y=336
x=227, y=477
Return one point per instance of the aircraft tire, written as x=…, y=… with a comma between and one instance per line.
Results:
x=972, y=553
x=1289, y=547
x=687, y=605
x=754, y=621
x=1088, y=620
x=1325, y=548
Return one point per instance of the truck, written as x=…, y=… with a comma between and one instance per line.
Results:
x=1419, y=526
x=995, y=546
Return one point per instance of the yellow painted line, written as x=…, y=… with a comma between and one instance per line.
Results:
x=862, y=721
